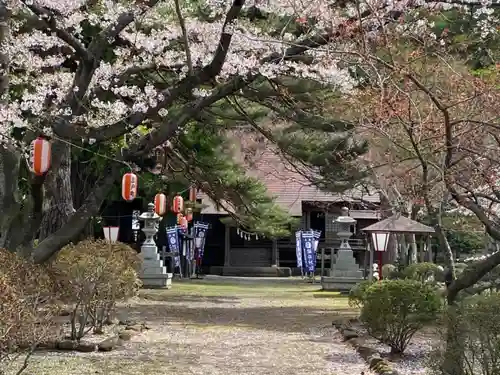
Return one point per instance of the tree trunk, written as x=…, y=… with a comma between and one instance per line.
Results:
x=453, y=357
x=13, y=215
x=58, y=202
x=77, y=222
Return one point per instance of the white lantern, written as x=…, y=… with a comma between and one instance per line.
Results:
x=380, y=241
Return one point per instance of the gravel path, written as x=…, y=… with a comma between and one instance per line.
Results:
x=415, y=360
x=252, y=334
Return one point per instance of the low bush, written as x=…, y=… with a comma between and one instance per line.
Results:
x=93, y=276
x=27, y=309
x=357, y=293
x=394, y=310
x=423, y=272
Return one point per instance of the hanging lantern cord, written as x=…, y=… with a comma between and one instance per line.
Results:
x=95, y=153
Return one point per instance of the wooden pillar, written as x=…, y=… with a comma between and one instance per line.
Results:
x=275, y=256
x=370, y=263
x=429, y=250
x=422, y=250
x=227, y=246
x=365, y=264
x=322, y=261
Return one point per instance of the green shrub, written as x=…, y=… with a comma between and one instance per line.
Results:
x=423, y=272
x=93, y=276
x=395, y=275
x=394, y=310
x=476, y=329
x=357, y=293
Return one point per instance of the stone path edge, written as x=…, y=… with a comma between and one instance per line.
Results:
x=372, y=357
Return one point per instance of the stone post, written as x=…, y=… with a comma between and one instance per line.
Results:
x=153, y=272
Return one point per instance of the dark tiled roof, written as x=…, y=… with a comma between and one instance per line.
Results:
x=289, y=186
x=398, y=224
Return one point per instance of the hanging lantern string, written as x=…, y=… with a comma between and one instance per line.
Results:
x=81, y=148
x=95, y=153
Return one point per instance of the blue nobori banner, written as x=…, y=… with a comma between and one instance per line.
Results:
x=174, y=243
x=298, y=249
x=308, y=249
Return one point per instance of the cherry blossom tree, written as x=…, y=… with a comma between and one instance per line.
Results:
x=83, y=72
x=87, y=72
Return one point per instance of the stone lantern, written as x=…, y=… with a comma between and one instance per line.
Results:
x=153, y=272
x=344, y=273
x=151, y=220
x=344, y=225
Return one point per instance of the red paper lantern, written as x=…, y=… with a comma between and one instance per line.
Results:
x=178, y=204
x=189, y=215
x=184, y=223
x=129, y=187
x=40, y=156
x=179, y=218
x=160, y=204
x=192, y=194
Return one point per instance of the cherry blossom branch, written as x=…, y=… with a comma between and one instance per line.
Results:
x=122, y=78
x=48, y=18
x=468, y=3
x=100, y=42
x=182, y=24
x=161, y=134
x=86, y=70
x=205, y=74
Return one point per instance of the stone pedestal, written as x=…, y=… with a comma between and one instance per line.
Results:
x=153, y=273
x=345, y=273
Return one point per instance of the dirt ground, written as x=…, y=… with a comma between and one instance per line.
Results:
x=219, y=328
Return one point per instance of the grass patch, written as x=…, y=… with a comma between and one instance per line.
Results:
x=327, y=294
x=216, y=289
x=90, y=364
x=300, y=295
